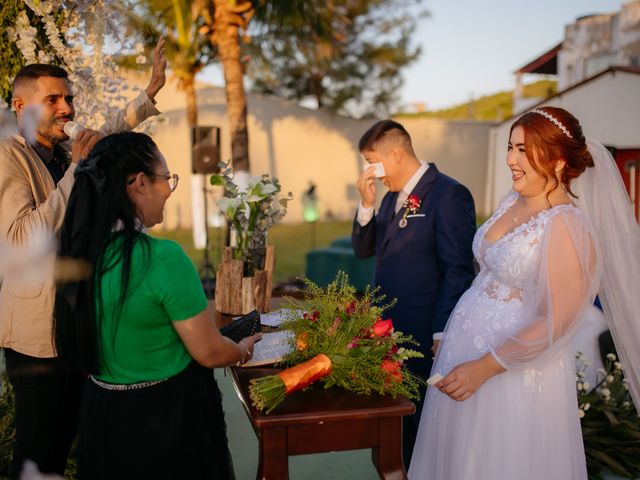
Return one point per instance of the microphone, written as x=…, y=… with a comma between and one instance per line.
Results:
x=72, y=129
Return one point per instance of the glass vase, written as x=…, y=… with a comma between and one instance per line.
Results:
x=250, y=246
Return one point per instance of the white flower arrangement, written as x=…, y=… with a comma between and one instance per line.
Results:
x=251, y=211
x=78, y=44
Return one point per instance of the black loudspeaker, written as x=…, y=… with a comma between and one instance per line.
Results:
x=205, y=149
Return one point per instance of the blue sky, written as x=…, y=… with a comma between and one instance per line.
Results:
x=471, y=47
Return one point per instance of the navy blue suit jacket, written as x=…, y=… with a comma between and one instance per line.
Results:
x=428, y=264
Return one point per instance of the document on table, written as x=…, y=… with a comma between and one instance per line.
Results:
x=275, y=318
x=271, y=348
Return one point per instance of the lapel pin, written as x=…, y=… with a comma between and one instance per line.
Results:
x=402, y=223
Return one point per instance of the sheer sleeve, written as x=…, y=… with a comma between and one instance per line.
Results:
x=556, y=296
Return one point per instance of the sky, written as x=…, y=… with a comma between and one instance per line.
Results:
x=472, y=47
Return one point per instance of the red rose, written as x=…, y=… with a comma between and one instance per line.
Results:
x=414, y=201
x=382, y=328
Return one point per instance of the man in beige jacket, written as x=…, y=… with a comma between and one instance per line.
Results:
x=36, y=177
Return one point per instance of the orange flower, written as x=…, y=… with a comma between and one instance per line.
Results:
x=393, y=371
x=301, y=341
x=382, y=328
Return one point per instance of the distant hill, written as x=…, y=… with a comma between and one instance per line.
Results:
x=489, y=107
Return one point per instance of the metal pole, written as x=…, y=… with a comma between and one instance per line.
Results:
x=207, y=272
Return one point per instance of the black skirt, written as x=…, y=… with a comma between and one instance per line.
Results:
x=171, y=430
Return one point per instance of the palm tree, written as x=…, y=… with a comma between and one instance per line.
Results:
x=226, y=23
x=187, y=51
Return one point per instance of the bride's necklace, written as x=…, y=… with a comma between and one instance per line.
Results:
x=522, y=213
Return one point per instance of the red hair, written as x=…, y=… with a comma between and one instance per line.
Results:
x=545, y=143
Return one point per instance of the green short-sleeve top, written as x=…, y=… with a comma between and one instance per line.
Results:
x=138, y=342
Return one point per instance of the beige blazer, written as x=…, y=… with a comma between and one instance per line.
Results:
x=30, y=201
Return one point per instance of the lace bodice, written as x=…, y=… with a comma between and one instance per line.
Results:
x=492, y=309
x=509, y=262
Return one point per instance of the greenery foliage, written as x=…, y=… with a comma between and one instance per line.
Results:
x=178, y=22
x=610, y=422
x=11, y=60
x=497, y=106
x=7, y=425
x=349, y=59
x=251, y=212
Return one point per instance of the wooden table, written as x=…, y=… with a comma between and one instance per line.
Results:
x=320, y=420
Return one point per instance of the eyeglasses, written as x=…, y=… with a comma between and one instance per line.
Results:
x=172, y=178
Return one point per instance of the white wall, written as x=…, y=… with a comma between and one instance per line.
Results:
x=298, y=145
x=294, y=144
x=458, y=148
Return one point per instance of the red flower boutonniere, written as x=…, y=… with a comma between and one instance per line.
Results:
x=411, y=206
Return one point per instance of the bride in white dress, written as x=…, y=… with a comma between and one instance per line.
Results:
x=507, y=407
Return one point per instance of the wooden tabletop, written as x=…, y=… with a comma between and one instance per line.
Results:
x=316, y=403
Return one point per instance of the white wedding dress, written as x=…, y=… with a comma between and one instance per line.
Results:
x=523, y=307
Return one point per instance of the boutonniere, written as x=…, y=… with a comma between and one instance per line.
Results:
x=411, y=206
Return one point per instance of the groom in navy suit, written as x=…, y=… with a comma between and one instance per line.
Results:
x=421, y=238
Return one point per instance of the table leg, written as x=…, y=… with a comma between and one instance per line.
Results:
x=274, y=458
x=387, y=457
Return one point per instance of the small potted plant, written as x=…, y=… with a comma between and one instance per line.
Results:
x=251, y=212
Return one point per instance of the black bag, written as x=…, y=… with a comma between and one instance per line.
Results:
x=244, y=326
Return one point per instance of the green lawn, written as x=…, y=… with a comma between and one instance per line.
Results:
x=291, y=242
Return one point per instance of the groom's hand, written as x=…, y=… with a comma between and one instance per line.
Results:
x=465, y=380
x=367, y=187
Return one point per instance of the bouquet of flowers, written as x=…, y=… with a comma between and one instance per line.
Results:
x=344, y=341
x=610, y=422
x=250, y=212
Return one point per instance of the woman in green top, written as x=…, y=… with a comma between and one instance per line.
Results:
x=139, y=326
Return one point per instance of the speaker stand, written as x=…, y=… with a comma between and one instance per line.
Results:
x=206, y=272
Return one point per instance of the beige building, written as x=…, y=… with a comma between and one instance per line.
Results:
x=298, y=146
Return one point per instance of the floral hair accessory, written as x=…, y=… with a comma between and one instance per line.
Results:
x=553, y=120
x=411, y=206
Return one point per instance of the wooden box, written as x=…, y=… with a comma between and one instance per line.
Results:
x=238, y=295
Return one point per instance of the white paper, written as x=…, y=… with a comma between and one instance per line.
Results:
x=275, y=318
x=271, y=348
x=435, y=378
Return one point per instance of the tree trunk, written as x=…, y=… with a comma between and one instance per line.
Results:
x=228, y=41
x=318, y=89
x=188, y=84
